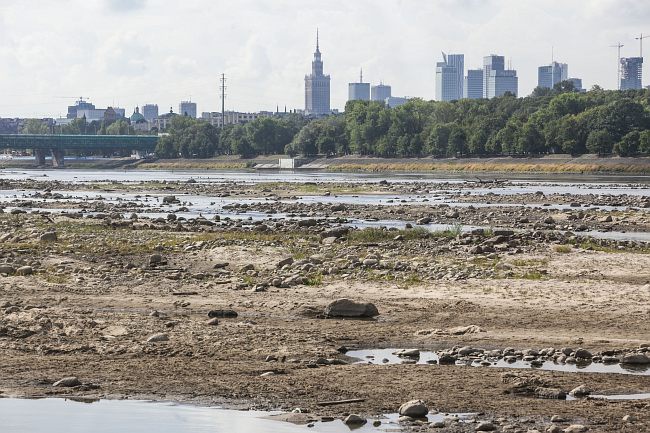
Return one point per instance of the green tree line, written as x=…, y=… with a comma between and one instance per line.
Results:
x=549, y=121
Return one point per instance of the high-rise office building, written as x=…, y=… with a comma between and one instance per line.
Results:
x=359, y=91
x=317, y=86
x=496, y=79
x=631, y=73
x=449, y=77
x=187, y=108
x=150, y=112
x=380, y=92
x=549, y=75
x=79, y=105
x=473, y=88
x=577, y=84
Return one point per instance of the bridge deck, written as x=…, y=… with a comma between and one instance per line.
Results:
x=146, y=143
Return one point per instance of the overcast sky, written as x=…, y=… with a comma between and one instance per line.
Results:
x=132, y=52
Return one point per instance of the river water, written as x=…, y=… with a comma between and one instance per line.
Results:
x=57, y=415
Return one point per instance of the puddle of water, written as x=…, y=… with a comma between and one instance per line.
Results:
x=387, y=357
x=104, y=416
x=110, y=416
x=640, y=396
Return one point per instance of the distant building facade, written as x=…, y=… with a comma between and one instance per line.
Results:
x=359, y=91
x=380, y=92
x=496, y=79
x=577, y=84
x=449, y=77
x=395, y=101
x=150, y=112
x=473, y=88
x=549, y=75
x=232, y=117
x=187, y=108
x=631, y=73
x=79, y=105
x=317, y=87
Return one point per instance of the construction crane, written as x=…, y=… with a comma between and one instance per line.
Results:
x=640, y=39
x=618, y=65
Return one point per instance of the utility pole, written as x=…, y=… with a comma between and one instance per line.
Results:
x=640, y=39
x=223, y=100
x=618, y=65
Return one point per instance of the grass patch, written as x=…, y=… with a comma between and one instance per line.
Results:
x=529, y=262
x=533, y=274
x=562, y=249
x=315, y=280
x=375, y=234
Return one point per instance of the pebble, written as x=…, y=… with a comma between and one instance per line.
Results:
x=67, y=382
x=156, y=338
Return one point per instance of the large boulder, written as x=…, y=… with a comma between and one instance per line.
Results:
x=349, y=308
x=414, y=409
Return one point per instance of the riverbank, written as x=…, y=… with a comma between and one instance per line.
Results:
x=126, y=284
x=565, y=164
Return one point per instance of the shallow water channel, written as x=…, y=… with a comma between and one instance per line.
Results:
x=387, y=357
x=55, y=415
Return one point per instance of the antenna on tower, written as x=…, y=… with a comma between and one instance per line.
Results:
x=618, y=65
x=223, y=99
x=640, y=39
x=361, y=76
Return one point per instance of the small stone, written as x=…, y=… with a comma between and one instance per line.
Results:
x=227, y=314
x=157, y=338
x=575, y=428
x=49, y=237
x=155, y=259
x=581, y=391
x=283, y=262
x=631, y=358
x=628, y=418
x=354, y=420
x=485, y=426
x=6, y=269
x=25, y=270
x=348, y=308
x=414, y=409
x=212, y=322
x=67, y=382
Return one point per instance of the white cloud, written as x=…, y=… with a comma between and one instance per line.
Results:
x=137, y=51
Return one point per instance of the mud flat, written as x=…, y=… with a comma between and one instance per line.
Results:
x=217, y=292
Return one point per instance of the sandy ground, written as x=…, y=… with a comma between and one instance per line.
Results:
x=89, y=315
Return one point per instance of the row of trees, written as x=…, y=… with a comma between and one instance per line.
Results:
x=558, y=121
x=80, y=127
x=192, y=138
x=549, y=121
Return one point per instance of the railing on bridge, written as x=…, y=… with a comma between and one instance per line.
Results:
x=142, y=143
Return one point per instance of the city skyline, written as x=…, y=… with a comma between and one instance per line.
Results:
x=128, y=54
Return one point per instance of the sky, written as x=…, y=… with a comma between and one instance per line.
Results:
x=131, y=52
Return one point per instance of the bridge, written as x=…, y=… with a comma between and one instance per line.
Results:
x=57, y=145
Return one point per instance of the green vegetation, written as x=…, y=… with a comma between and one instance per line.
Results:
x=563, y=249
x=547, y=122
x=374, y=234
x=192, y=138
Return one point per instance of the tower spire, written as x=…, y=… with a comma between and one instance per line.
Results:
x=317, y=44
x=361, y=75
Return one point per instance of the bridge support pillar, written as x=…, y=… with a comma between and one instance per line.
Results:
x=57, y=158
x=39, y=156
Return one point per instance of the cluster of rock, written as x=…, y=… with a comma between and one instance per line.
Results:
x=565, y=355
